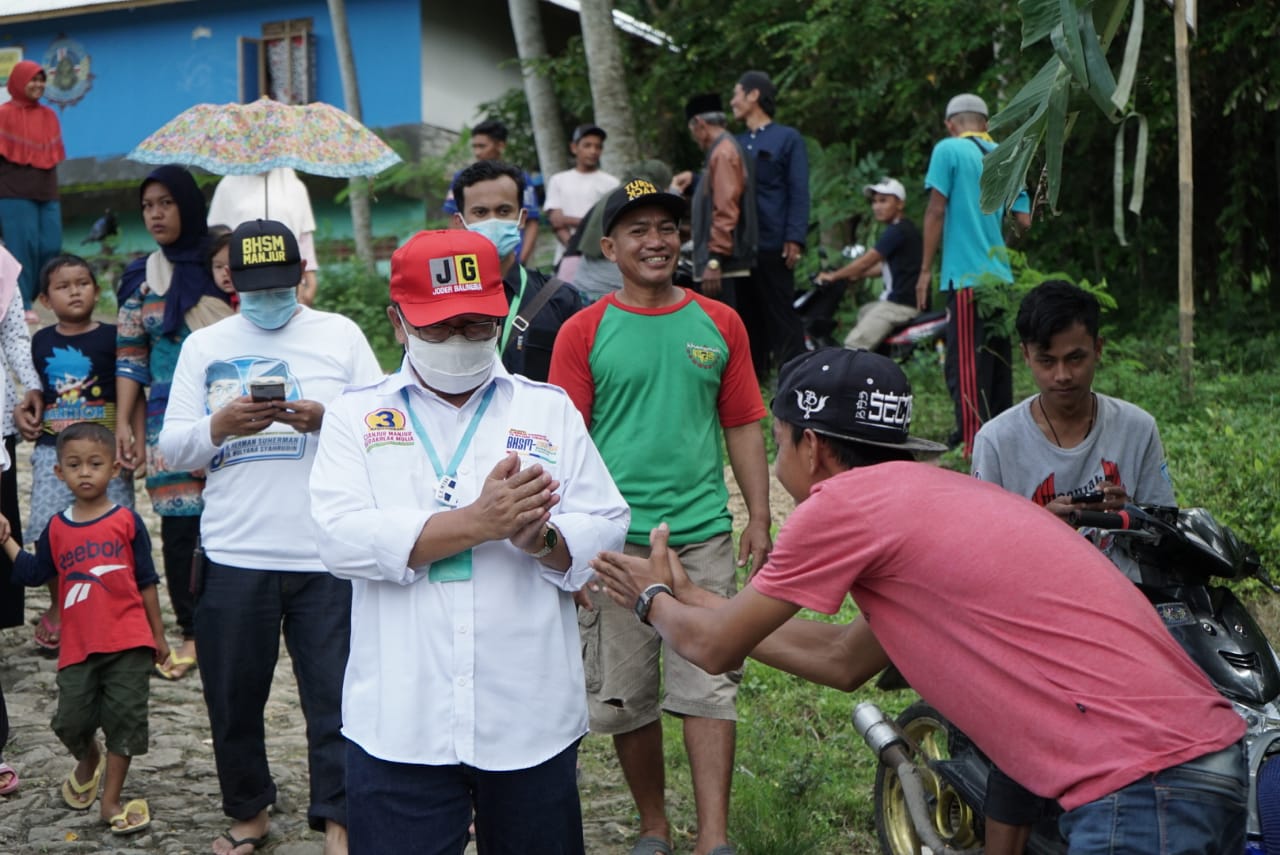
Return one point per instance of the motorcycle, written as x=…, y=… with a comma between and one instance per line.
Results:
x=817, y=309
x=932, y=779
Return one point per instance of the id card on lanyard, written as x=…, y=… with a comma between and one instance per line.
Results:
x=454, y=568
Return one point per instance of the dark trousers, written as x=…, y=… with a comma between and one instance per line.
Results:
x=424, y=810
x=238, y=621
x=765, y=302
x=178, y=537
x=979, y=370
x=11, y=595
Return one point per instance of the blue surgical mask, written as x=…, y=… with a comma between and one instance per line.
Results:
x=270, y=309
x=503, y=234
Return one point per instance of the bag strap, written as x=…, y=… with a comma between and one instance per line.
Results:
x=530, y=310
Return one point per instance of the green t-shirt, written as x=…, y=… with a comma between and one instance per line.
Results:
x=656, y=388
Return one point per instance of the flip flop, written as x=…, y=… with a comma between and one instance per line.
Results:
x=175, y=661
x=651, y=846
x=71, y=788
x=237, y=842
x=52, y=633
x=12, y=785
x=137, y=806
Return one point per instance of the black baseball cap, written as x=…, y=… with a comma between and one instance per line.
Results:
x=850, y=394
x=264, y=255
x=706, y=103
x=588, y=130
x=636, y=193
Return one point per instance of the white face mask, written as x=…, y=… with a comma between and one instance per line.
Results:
x=453, y=366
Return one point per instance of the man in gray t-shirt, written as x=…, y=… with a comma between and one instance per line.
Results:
x=1057, y=447
x=1067, y=440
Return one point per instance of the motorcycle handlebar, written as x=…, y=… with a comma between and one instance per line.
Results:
x=1118, y=521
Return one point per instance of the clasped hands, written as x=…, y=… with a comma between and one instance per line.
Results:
x=514, y=503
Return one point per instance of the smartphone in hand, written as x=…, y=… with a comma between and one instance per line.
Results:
x=266, y=389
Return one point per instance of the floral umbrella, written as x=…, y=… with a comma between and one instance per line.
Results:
x=249, y=139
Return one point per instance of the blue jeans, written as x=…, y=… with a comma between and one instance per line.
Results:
x=1197, y=808
x=33, y=233
x=238, y=621
x=424, y=810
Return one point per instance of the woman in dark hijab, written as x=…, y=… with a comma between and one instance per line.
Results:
x=163, y=298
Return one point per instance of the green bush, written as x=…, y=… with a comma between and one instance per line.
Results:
x=351, y=290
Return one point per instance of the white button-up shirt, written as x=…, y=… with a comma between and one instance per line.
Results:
x=488, y=671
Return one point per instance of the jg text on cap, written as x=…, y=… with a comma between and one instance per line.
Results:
x=439, y=274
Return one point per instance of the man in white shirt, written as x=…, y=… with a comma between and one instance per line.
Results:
x=571, y=193
x=248, y=396
x=464, y=503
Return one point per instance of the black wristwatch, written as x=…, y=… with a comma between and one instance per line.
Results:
x=645, y=601
x=550, y=537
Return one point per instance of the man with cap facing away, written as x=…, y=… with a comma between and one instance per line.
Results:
x=781, y=169
x=979, y=368
x=248, y=397
x=464, y=503
x=1095, y=706
x=895, y=258
x=724, y=203
x=660, y=374
x=571, y=193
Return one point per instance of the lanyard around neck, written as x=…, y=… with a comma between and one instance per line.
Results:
x=512, y=312
x=463, y=444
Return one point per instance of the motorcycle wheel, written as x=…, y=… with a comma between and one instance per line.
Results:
x=953, y=820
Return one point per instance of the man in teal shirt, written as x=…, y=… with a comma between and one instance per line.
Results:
x=979, y=370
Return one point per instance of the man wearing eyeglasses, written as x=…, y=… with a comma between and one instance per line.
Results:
x=464, y=503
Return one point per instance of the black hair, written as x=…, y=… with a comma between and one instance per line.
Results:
x=851, y=454
x=1053, y=306
x=491, y=128
x=219, y=239
x=486, y=170
x=91, y=431
x=57, y=263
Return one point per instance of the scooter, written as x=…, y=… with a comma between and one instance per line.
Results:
x=930, y=784
x=817, y=310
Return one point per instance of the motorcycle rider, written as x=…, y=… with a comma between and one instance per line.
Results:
x=1097, y=707
x=895, y=258
x=1058, y=445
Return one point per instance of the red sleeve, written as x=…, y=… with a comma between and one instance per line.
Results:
x=739, y=402
x=571, y=358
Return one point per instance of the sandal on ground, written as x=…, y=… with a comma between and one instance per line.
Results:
x=169, y=668
x=11, y=785
x=73, y=792
x=651, y=846
x=237, y=842
x=120, y=822
x=48, y=634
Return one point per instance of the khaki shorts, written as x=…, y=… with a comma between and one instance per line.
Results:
x=621, y=655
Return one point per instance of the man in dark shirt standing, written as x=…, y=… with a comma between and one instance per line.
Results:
x=782, y=202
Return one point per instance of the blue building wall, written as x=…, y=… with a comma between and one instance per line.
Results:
x=151, y=63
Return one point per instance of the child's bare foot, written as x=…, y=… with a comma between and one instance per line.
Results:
x=243, y=838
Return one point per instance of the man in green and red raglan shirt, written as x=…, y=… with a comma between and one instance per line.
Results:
x=658, y=373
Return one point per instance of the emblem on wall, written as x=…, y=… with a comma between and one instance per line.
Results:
x=66, y=65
